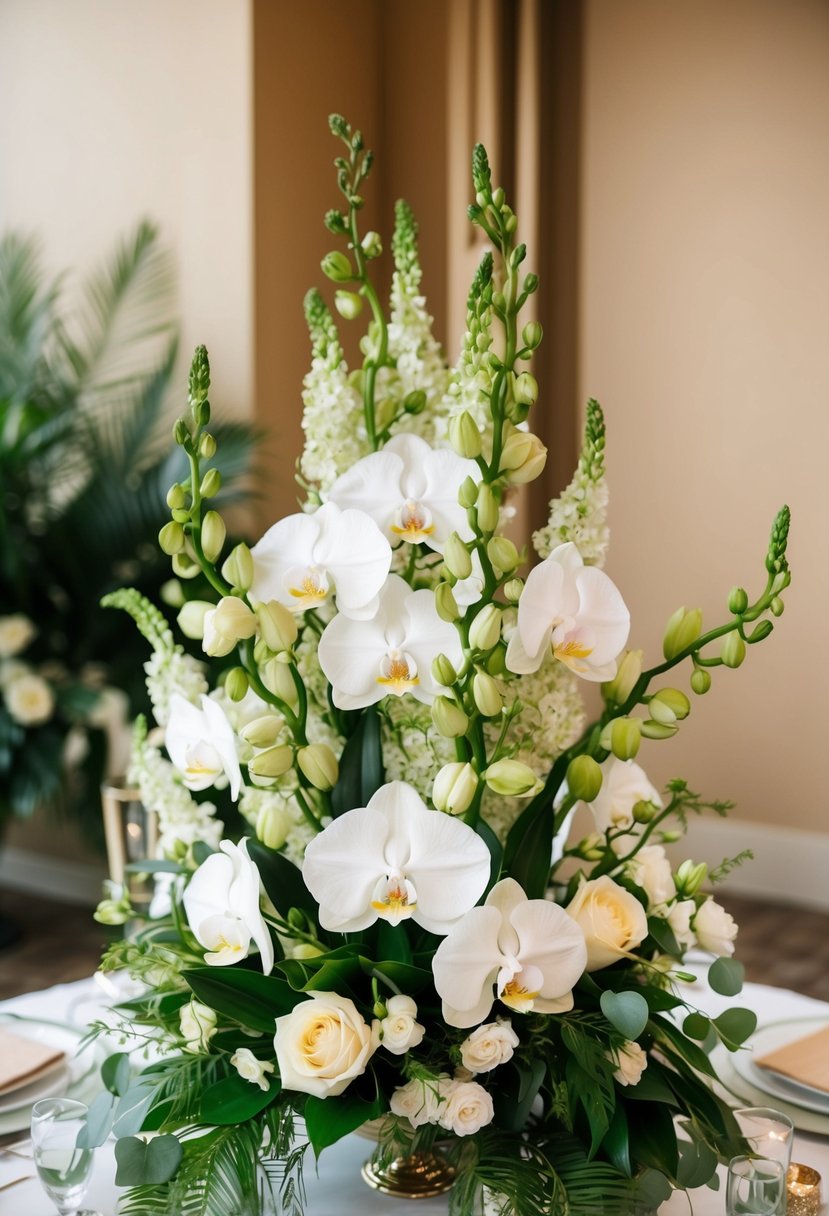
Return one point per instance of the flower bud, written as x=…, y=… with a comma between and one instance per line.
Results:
x=176, y=497
x=264, y=731
x=762, y=631
x=181, y=515
x=512, y=779
x=733, y=650
x=337, y=267
x=319, y=764
x=777, y=606
x=487, y=509
x=272, y=826
x=171, y=593
x=207, y=446
x=455, y=787
x=113, y=912
x=211, y=483
x=464, y=435
x=277, y=624
x=456, y=557
x=671, y=838
x=184, y=566
x=625, y=737
x=238, y=568
x=181, y=432
x=683, y=628
x=531, y=334
x=237, y=684
x=592, y=847
x=348, y=304
x=171, y=538
x=644, y=811
x=372, y=245
x=658, y=730
x=523, y=457
x=700, y=681
x=468, y=493
x=485, y=630
x=690, y=877
x=669, y=705
x=272, y=763
x=385, y=412
x=502, y=553
x=415, y=402
x=485, y=694
x=277, y=679
x=191, y=618
x=234, y=619
x=213, y=535
x=496, y=660
x=305, y=950
x=623, y=683
x=737, y=600
x=445, y=603
x=443, y=671
x=525, y=389
x=449, y=718
x=584, y=778
x=513, y=589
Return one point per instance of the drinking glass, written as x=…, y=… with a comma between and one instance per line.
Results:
x=769, y=1133
x=63, y=1168
x=756, y=1187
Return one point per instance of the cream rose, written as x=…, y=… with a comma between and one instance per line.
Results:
x=467, y=1107
x=651, y=870
x=198, y=1025
x=489, y=1046
x=399, y=1030
x=30, y=700
x=613, y=921
x=16, y=631
x=418, y=1101
x=679, y=918
x=715, y=928
x=631, y=1061
x=323, y=1044
x=251, y=1069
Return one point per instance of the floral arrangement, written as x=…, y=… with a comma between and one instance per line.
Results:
x=408, y=933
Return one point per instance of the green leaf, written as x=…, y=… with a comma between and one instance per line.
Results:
x=146, y=1164
x=697, y=1026
x=653, y=1189
x=253, y=999
x=98, y=1122
x=664, y=936
x=132, y=1109
x=666, y=1031
x=361, y=765
x=652, y=1086
x=393, y=942
x=529, y=846
x=116, y=1072
x=627, y=1011
x=735, y=1026
x=617, y=1141
x=234, y=1100
x=653, y=1137
x=518, y=1084
x=282, y=881
x=726, y=976
x=327, y=1120
x=496, y=852
x=148, y=866
x=406, y=977
x=697, y=1164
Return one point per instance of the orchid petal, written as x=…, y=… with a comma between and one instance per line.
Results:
x=245, y=892
x=444, y=472
x=559, y=1004
x=568, y=557
x=350, y=653
x=344, y=862
x=372, y=485
x=222, y=738
x=602, y=608
x=548, y=941
x=287, y=543
x=358, y=556
x=518, y=661
x=465, y=965
x=208, y=892
x=544, y=599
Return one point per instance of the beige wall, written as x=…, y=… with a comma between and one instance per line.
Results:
x=705, y=274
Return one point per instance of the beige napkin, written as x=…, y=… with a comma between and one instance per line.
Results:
x=806, y=1060
x=23, y=1061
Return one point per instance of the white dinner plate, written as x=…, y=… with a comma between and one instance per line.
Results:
x=51, y=1086
x=80, y=1078
x=751, y=1095
x=777, y=1085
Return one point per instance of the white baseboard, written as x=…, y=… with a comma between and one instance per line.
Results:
x=789, y=866
x=72, y=882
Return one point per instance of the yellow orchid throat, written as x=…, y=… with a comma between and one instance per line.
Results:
x=414, y=525
x=398, y=673
x=517, y=997
x=396, y=902
x=310, y=593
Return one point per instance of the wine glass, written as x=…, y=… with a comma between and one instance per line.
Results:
x=756, y=1187
x=769, y=1133
x=62, y=1167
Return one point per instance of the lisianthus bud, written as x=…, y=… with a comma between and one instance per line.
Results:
x=372, y=245
x=348, y=304
x=623, y=683
x=264, y=731
x=213, y=535
x=207, y=446
x=531, y=334
x=584, y=778
x=658, y=730
x=191, y=618
x=233, y=619
x=502, y=553
x=171, y=538
x=669, y=705
x=468, y=493
x=683, y=628
x=454, y=788
x=733, y=650
x=512, y=779
x=443, y=671
x=278, y=625
x=525, y=390
x=336, y=266
x=464, y=435
x=513, y=589
x=487, y=507
x=485, y=630
x=456, y=557
x=319, y=764
x=445, y=603
x=690, y=877
x=238, y=568
x=277, y=679
x=211, y=483
x=737, y=600
x=449, y=718
x=700, y=681
x=237, y=684
x=176, y=497
x=273, y=762
x=486, y=695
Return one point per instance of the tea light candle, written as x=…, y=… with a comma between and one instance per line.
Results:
x=802, y=1190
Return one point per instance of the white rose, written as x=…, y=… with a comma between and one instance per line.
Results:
x=650, y=869
x=467, y=1107
x=198, y=1025
x=613, y=921
x=418, y=1101
x=323, y=1044
x=679, y=918
x=715, y=928
x=399, y=1030
x=489, y=1046
x=30, y=700
x=631, y=1062
x=16, y=632
x=251, y=1069
x=623, y=785
x=12, y=669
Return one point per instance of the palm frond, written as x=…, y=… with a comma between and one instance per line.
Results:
x=26, y=318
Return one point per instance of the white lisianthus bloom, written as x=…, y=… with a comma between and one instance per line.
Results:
x=419, y=1101
x=395, y=859
x=631, y=1061
x=715, y=928
x=251, y=1069
x=679, y=917
x=613, y=921
x=410, y=490
x=651, y=870
x=624, y=784
x=323, y=1044
x=303, y=558
x=201, y=745
x=489, y=1046
x=221, y=903
x=392, y=654
x=527, y=953
x=16, y=631
x=466, y=1107
x=574, y=612
x=29, y=699
x=399, y=1029
x=198, y=1025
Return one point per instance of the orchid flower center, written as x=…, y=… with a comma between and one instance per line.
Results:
x=398, y=671
x=308, y=585
x=570, y=643
x=413, y=522
x=201, y=760
x=395, y=898
x=519, y=986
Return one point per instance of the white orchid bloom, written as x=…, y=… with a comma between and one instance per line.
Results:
x=410, y=490
x=395, y=859
x=469, y=590
x=221, y=902
x=201, y=744
x=392, y=654
x=573, y=610
x=300, y=557
x=527, y=953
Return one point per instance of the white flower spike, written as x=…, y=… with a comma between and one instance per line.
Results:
x=392, y=654
x=410, y=490
x=395, y=859
x=222, y=906
x=527, y=953
x=302, y=558
x=575, y=612
x=202, y=745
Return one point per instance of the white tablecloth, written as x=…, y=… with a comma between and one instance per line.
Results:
x=338, y=1190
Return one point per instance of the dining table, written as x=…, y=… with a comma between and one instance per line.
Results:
x=335, y=1186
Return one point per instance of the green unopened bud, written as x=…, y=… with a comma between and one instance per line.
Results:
x=523, y=457
x=584, y=778
x=700, y=681
x=385, y=412
x=625, y=737
x=468, y=493
x=513, y=589
x=658, y=730
x=737, y=600
x=264, y=731
x=171, y=538
x=502, y=553
x=671, y=838
x=191, y=618
x=485, y=694
x=683, y=628
x=443, y=671
x=113, y=912
x=176, y=497
x=201, y=412
x=525, y=389
x=181, y=515
x=777, y=606
x=207, y=446
x=496, y=660
x=319, y=764
x=211, y=483
x=371, y=244
x=464, y=435
x=272, y=826
x=644, y=811
x=238, y=568
x=415, y=402
x=531, y=334
x=449, y=718
x=733, y=650
x=213, y=534
x=233, y=618
x=592, y=848
x=487, y=509
x=669, y=705
x=277, y=624
x=171, y=593
x=336, y=266
x=297, y=919
x=181, y=432
x=512, y=779
x=277, y=679
x=237, y=684
x=456, y=557
x=690, y=877
x=485, y=630
x=445, y=603
x=184, y=566
x=272, y=763
x=455, y=787
x=348, y=304
x=623, y=683
x=762, y=630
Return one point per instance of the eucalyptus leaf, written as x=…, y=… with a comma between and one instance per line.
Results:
x=697, y=1026
x=116, y=1071
x=142, y=1163
x=726, y=976
x=735, y=1026
x=697, y=1164
x=132, y=1109
x=98, y=1122
x=628, y=1011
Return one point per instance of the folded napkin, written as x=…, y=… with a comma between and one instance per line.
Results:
x=806, y=1060
x=23, y=1061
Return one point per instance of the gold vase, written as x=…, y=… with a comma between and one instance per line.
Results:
x=416, y=1176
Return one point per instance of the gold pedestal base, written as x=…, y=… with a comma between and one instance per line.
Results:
x=420, y=1176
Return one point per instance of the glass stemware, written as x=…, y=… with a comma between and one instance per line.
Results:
x=768, y=1132
x=756, y=1187
x=62, y=1167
